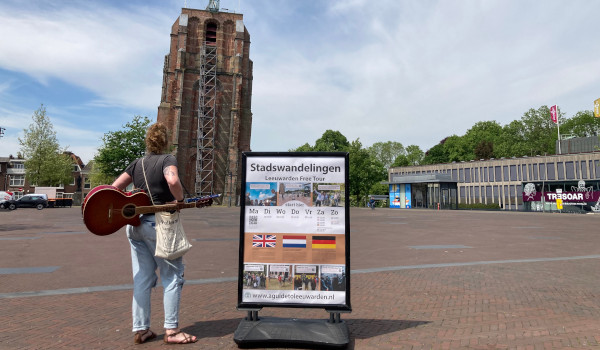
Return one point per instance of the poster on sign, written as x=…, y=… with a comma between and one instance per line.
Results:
x=294, y=230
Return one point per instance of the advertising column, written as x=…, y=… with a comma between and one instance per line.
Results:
x=294, y=234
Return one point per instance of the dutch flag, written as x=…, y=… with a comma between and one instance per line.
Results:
x=294, y=241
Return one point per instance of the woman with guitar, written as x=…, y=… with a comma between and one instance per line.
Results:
x=162, y=178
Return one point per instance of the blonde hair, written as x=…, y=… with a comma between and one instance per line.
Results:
x=156, y=138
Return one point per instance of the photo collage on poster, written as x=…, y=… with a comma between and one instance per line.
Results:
x=327, y=278
x=294, y=236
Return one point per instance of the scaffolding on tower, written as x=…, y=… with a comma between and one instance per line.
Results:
x=213, y=5
x=207, y=103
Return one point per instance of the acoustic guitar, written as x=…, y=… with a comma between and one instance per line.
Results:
x=106, y=208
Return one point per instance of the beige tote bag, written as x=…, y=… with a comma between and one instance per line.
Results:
x=171, y=241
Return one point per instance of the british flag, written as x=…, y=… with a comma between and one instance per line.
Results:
x=264, y=241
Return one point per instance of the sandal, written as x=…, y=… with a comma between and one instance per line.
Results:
x=143, y=336
x=187, y=338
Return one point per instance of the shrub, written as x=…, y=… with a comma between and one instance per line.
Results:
x=479, y=206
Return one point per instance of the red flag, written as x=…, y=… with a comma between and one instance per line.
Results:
x=554, y=114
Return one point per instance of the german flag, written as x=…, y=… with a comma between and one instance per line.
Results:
x=323, y=242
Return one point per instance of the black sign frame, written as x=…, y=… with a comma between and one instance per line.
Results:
x=246, y=156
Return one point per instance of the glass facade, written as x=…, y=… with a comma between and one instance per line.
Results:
x=500, y=182
x=434, y=195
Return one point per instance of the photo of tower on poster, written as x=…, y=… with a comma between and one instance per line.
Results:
x=294, y=232
x=261, y=194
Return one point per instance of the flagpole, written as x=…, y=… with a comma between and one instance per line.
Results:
x=558, y=128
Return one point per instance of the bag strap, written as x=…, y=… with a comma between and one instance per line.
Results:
x=185, y=189
x=145, y=179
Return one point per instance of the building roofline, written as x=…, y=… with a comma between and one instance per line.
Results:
x=420, y=178
x=496, y=159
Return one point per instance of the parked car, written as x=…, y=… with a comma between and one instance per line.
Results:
x=43, y=195
x=27, y=201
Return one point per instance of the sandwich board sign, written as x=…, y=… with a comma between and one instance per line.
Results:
x=294, y=238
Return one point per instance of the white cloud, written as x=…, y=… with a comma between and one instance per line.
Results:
x=421, y=71
x=76, y=138
x=407, y=71
x=116, y=54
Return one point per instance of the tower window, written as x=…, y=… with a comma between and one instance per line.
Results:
x=211, y=34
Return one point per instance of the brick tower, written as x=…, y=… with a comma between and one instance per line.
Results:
x=205, y=100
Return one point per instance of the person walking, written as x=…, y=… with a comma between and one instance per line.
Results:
x=163, y=179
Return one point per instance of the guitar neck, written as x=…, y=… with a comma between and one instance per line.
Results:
x=164, y=207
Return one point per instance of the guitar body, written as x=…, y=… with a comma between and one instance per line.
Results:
x=106, y=209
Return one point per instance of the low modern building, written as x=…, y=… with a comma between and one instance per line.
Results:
x=425, y=190
x=528, y=183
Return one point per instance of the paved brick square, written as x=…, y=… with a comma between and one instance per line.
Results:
x=420, y=279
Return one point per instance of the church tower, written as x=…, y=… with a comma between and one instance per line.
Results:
x=206, y=98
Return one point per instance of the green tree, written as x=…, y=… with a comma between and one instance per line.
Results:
x=512, y=141
x=436, y=154
x=414, y=155
x=457, y=149
x=481, y=138
x=96, y=177
x=539, y=132
x=45, y=163
x=120, y=148
x=304, y=148
x=582, y=124
x=365, y=172
x=534, y=134
x=484, y=150
x=331, y=141
x=401, y=160
x=386, y=152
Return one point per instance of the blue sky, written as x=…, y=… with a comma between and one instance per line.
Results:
x=407, y=71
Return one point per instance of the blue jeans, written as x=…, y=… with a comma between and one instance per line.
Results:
x=144, y=264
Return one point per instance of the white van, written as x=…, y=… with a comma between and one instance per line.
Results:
x=5, y=196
